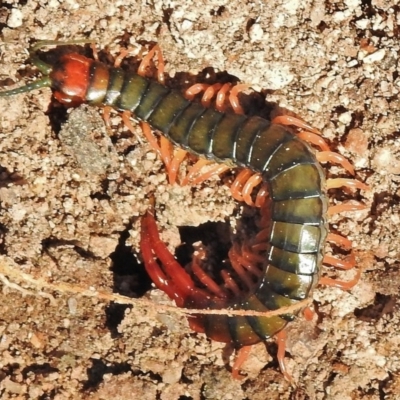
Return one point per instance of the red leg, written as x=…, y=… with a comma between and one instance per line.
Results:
x=168, y=274
x=234, y=258
x=153, y=269
x=205, y=279
x=248, y=259
x=174, y=281
x=230, y=283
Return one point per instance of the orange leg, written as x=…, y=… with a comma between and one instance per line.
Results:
x=107, y=109
x=221, y=96
x=339, y=240
x=251, y=183
x=126, y=118
x=308, y=314
x=210, y=91
x=262, y=196
x=233, y=97
x=339, y=208
x=313, y=139
x=341, y=264
x=215, y=170
x=308, y=133
x=289, y=120
x=106, y=117
x=241, y=357
x=344, y=285
x=195, y=170
x=145, y=65
x=122, y=55
x=164, y=149
x=238, y=184
x=347, y=263
x=350, y=183
x=95, y=52
x=176, y=161
x=243, y=186
x=335, y=158
x=281, y=338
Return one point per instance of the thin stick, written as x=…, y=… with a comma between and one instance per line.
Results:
x=13, y=272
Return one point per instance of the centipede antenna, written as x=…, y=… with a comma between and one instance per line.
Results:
x=42, y=66
x=40, y=83
x=45, y=43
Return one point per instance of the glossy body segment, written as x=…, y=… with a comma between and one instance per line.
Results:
x=294, y=178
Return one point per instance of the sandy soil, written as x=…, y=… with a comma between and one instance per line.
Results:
x=71, y=197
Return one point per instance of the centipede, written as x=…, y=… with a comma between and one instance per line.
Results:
x=280, y=175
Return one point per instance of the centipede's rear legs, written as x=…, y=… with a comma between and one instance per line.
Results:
x=168, y=275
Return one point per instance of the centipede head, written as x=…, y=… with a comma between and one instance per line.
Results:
x=66, y=74
x=69, y=78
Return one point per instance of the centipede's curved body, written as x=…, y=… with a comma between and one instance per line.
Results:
x=288, y=165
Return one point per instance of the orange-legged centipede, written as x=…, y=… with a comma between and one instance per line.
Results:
x=281, y=266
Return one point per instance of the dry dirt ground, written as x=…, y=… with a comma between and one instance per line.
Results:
x=71, y=197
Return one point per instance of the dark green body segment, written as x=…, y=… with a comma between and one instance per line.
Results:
x=132, y=92
x=296, y=187
x=201, y=132
x=288, y=167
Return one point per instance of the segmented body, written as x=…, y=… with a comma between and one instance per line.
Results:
x=294, y=178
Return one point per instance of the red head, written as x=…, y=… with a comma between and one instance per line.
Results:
x=77, y=79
